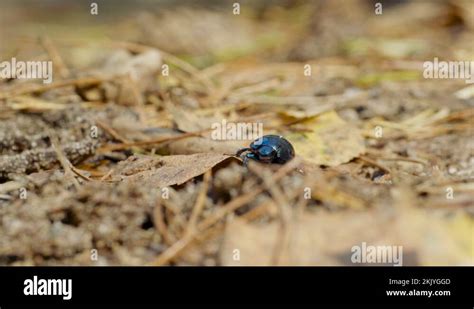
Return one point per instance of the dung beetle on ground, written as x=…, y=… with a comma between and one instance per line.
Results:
x=268, y=149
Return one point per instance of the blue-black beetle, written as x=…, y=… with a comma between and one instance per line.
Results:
x=269, y=149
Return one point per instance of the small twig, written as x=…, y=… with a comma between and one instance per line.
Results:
x=107, y=175
x=5, y=197
x=187, y=239
x=55, y=56
x=79, y=173
x=111, y=131
x=285, y=215
x=284, y=211
x=154, y=141
x=66, y=164
x=171, y=138
x=380, y=154
x=199, y=205
x=173, y=251
x=160, y=224
x=34, y=88
x=374, y=163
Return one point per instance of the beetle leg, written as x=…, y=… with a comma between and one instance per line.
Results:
x=249, y=156
x=240, y=151
x=246, y=160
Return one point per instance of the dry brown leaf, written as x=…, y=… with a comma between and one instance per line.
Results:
x=167, y=170
x=331, y=141
x=34, y=104
x=198, y=144
x=188, y=121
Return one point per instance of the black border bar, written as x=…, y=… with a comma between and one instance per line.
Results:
x=241, y=285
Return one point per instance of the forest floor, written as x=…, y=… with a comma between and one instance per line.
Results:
x=115, y=161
